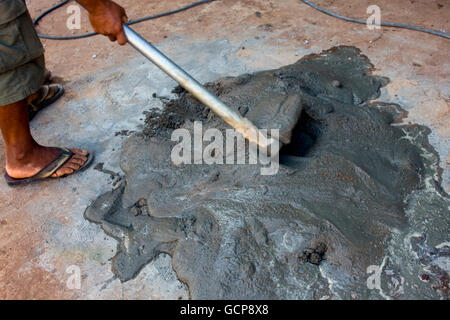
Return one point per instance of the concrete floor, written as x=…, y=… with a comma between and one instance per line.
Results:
x=42, y=229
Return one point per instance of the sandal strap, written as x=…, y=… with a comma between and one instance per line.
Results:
x=66, y=154
x=43, y=93
x=33, y=106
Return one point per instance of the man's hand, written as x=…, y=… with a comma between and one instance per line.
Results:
x=107, y=18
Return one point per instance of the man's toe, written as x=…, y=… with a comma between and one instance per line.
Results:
x=77, y=160
x=64, y=171
x=80, y=152
x=72, y=165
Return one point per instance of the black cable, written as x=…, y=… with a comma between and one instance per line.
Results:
x=385, y=24
x=130, y=22
x=309, y=3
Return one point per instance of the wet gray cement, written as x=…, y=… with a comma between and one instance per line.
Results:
x=356, y=192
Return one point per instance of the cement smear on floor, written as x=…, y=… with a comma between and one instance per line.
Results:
x=355, y=211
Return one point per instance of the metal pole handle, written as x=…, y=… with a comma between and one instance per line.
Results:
x=233, y=118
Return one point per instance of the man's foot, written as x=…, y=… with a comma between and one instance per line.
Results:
x=45, y=96
x=40, y=158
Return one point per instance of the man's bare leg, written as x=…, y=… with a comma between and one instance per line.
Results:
x=24, y=156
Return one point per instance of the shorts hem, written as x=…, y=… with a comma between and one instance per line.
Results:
x=22, y=95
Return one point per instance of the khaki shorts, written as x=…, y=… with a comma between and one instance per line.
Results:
x=22, y=63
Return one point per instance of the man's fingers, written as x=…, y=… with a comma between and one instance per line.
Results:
x=108, y=19
x=121, y=38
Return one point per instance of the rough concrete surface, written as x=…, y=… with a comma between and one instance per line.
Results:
x=42, y=229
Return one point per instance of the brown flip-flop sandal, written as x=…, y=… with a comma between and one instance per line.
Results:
x=47, y=172
x=46, y=95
